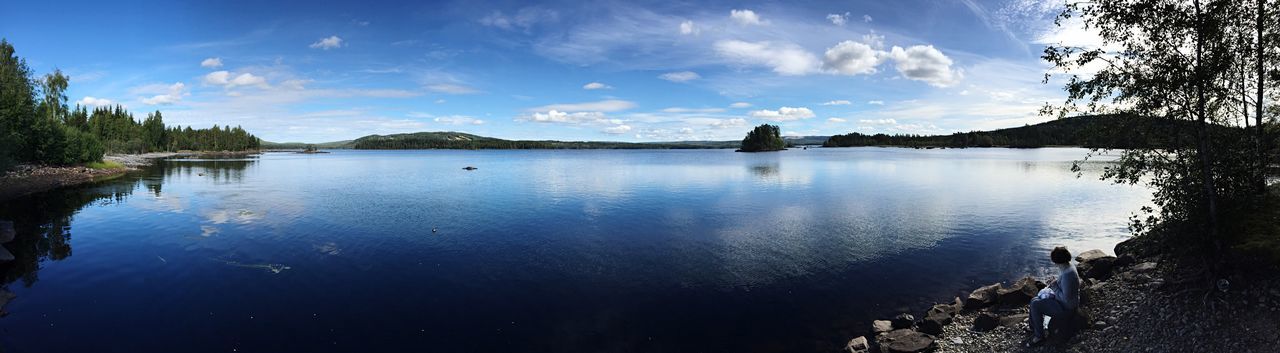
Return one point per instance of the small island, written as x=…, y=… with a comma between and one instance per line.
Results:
x=763, y=138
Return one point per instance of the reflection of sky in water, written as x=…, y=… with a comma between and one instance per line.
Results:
x=573, y=241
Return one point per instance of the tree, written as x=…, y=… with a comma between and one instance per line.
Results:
x=153, y=132
x=762, y=139
x=1176, y=61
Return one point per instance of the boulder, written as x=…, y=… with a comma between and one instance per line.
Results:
x=982, y=297
x=858, y=345
x=1144, y=267
x=949, y=309
x=1066, y=326
x=1020, y=293
x=6, y=231
x=5, y=255
x=903, y=320
x=1090, y=255
x=934, y=322
x=1124, y=260
x=1097, y=268
x=985, y=322
x=881, y=326
x=906, y=341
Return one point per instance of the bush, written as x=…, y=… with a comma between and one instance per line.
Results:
x=81, y=146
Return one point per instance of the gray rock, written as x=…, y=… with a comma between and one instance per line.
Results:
x=934, y=322
x=858, y=345
x=5, y=255
x=985, y=322
x=881, y=326
x=1013, y=320
x=1090, y=255
x=1097, y=268
x=982, y=297
x=906, y=341
x=1144, y=267
x=1124, y=260
x=1020, y=293
x=6, y=231
x=903, y=320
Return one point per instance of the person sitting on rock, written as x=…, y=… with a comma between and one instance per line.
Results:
x=1059, y=299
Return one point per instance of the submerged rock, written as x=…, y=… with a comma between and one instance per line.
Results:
x=982, y=297
x=470, y=168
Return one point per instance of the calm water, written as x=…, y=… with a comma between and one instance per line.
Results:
x=574, y=251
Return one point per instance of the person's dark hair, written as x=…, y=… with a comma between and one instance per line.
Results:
x=1060, y=255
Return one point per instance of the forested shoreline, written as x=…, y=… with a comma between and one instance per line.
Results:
x=38, y=127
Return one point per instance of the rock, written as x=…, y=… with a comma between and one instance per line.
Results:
x=1013, y=321
x=1144, y=267
x=985, y=322
x=1020, y=293
x=1100, y=324
x=949, y=309
x=881, y=326
x=1124, y=260
x=903, y=320
x=5, y=255
x=906, y=341
x=1090, y=255
x=6, y=231
x=982, y=297
x=858, y=345
x=470, y=168
x=1040, y=285
x=1066, y=326
x=934, y=322
x=1098, y=268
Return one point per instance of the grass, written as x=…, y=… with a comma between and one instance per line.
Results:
x=1259, y=237
x=104, y=165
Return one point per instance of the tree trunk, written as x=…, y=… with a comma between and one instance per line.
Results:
x=1209, y=191
x=1257, y=108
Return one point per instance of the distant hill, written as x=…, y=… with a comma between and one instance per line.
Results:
x=266, y=145
x=1105, y=131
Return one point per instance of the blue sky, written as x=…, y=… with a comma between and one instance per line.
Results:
x=317, y=71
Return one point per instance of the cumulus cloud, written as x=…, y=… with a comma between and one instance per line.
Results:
x=93, y=101
x=836, y=120
x=225, y=79
x=783, y=114
x=745, y=17
x=879, y=122
x=838, y=19
x=851, y=58
x=687, y=28
x=838, y=102
x=740, y=105
x=332, y=42
x=866, y=18
x=211, y=63
x=619, y=129
x=556, y=116
x=595, y=85
x=611, y=105
x=172, y=94
x=875, y=102
x=679, y=110
x=783, y=58
x=680, y=76
x=458, y=120
x=924, y=63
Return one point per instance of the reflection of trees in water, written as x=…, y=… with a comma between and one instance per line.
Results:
x=219, y=169
x=765, y=170
x=43, y=224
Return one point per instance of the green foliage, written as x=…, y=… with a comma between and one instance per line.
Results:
x=1094, y=131
x=104, y=165
x=763, y=138
x=458, y=140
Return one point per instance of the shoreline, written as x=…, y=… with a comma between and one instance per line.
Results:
x=31, y=179
x=1134, y=302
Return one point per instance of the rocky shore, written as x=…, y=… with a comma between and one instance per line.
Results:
x=1129, y=303
x=29, y=179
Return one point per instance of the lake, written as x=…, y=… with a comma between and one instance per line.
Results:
x=564, y=250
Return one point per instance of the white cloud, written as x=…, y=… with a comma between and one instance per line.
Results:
x=619, y=129
x=687, y=28
x=875, y=102
x=679, y=110
x=451, y=88
x=611, y=105
x=248, y=79
x=783, y=58
x=92, y=101
x=740, y=105
x=852, y=58
x=866, y=18
x=172, y=94
x=524, y=19
x=745, y=17
x=924, y=63
x=220, y=78
x=327, y=43
x=458, y=120
x=838, y=102
x=596, y=85
x=556, y=116
x=783, y=114
x=224, y=78
x=211, y=63
x=879, y=122
x=680, y=76
x=836, y=120
x=838, y=19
